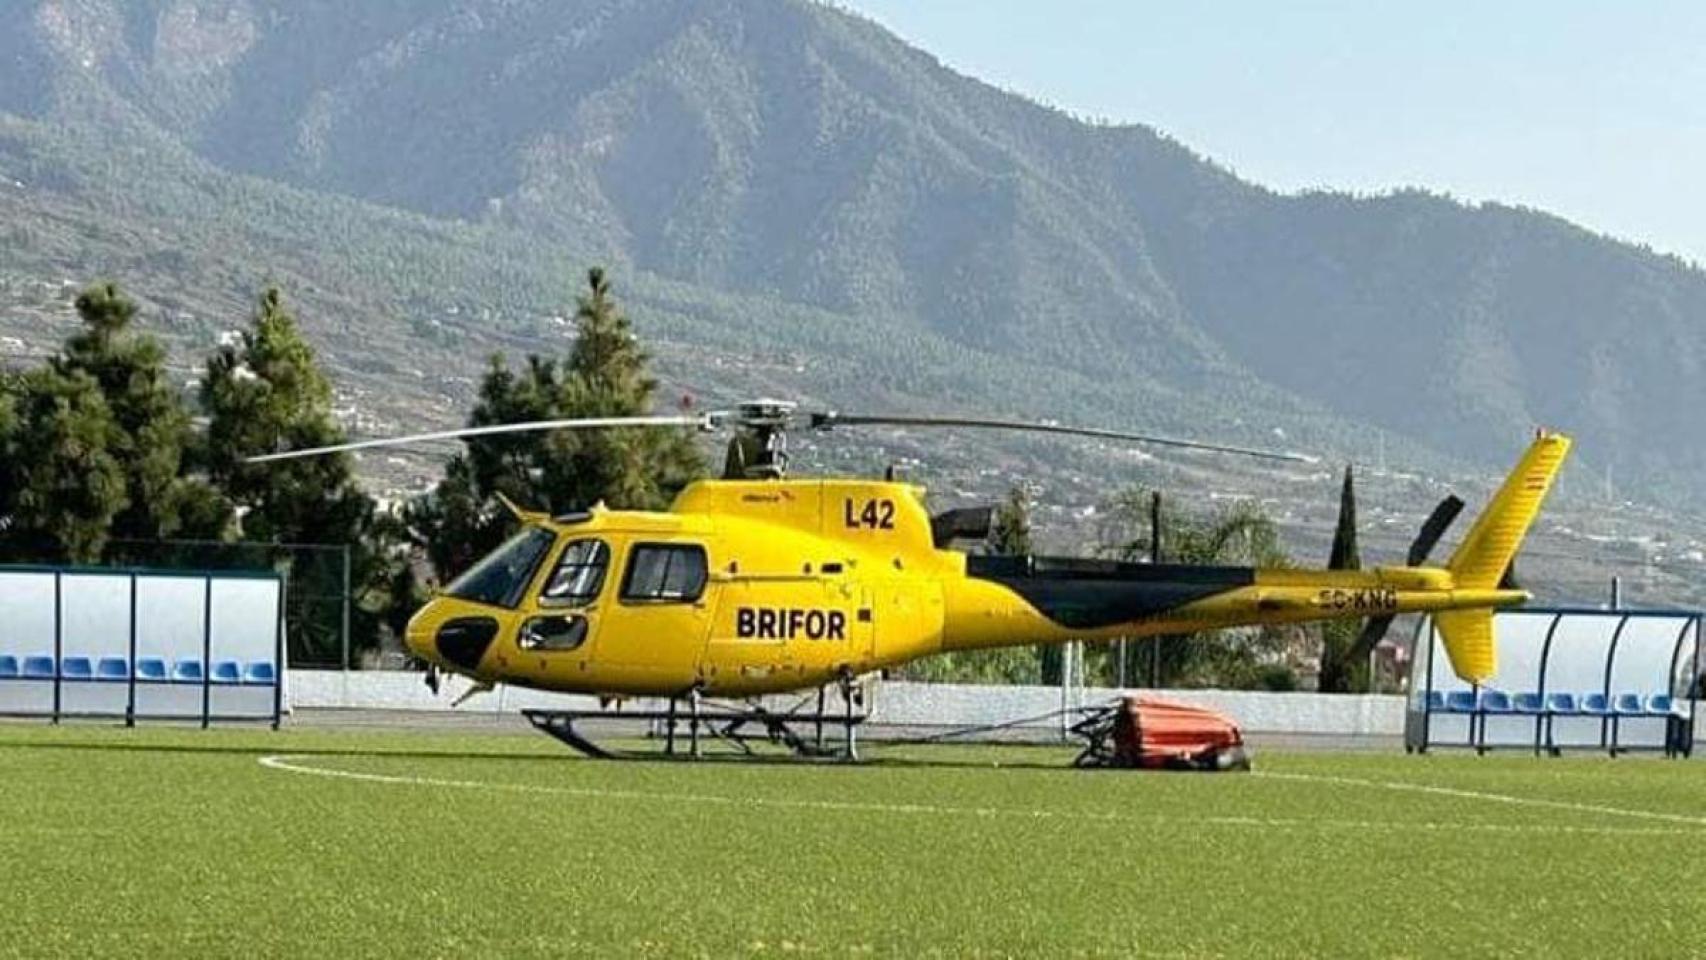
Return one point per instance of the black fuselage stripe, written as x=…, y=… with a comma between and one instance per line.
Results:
x=1072, y=597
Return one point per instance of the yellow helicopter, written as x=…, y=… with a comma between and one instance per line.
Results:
x=758, y=583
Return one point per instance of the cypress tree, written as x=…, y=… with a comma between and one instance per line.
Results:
x=1338, y=674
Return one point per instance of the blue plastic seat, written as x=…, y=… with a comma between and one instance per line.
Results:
x=187, y=671
x=1627, y=703
x=112, y=669
x=227, y=671
x=1597, y=704
x=260, y=673
x=151, y=670
x=1661, y=704
x=8, y=666
x=38, y=668
x=1436, y=701
x=1495, y=701
x=76, y=668
x=1528, y=702
x=1561, y=703
x=1460, y=701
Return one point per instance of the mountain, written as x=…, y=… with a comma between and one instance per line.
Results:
x=788, y=185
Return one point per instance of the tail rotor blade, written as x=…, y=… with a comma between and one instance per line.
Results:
x=1432, y=529
x=1509, y=581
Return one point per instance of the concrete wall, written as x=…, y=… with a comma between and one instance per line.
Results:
x=893, y=703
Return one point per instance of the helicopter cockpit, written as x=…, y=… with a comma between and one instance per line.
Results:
x=535, y=607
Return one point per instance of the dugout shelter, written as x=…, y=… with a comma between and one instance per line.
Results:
x=1568, y=678
x=141, y=644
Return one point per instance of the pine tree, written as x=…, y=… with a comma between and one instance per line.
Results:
x=266, y=393
x=450, y=524
x=10, y=461
x=154, y=428
x=604, y=375
x=65, y=485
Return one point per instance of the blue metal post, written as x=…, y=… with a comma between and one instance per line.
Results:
x=1545, y=715
x=1610, y=659
x=206, y=650
x=130, y=694
x=278, y=655
x=58, y=641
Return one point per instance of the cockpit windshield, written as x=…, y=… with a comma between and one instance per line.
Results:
x=502, y=577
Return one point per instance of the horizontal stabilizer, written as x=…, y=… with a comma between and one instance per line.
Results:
x=1468, y=636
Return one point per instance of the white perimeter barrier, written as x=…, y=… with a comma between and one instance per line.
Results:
x=894, y=703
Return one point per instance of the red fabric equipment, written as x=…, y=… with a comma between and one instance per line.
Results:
x=1146, y=732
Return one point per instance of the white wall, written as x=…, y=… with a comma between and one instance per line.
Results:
x=894, y=703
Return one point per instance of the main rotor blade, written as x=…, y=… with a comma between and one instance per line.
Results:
x=829, y=419
x=704, y=421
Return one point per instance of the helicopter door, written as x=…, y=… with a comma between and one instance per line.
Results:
x=655, y=629
x=558, y=640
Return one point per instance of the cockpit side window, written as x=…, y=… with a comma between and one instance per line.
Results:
x=500, y=579
x=579, y=575
x=667, y=572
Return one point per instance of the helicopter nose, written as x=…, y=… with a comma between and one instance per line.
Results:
x=417, y=636
x=436, y=635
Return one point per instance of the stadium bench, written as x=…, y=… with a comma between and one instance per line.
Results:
x=260, y=673
x=112, y=670
x=76, y=668
x=227, y=671
x=187, y=671
x=38, y=668
x=1460, y=701
x=151, y=670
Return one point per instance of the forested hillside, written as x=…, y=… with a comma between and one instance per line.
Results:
x=796, y=193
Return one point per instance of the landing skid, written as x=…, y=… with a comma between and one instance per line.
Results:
x=740, y=725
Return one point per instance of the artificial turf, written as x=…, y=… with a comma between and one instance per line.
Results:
x=158, y=842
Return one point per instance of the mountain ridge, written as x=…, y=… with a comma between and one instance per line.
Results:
x=797, y=154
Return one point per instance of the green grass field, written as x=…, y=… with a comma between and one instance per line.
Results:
x=172, y=842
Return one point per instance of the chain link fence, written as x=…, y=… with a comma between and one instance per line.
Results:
x=318, y=597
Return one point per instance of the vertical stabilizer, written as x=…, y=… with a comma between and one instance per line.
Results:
x=1468, y=638
x=1485, y=555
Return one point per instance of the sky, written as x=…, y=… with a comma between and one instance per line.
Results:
x=1593, y=111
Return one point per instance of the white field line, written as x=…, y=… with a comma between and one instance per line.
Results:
x=294, y=764
x=1505, y=798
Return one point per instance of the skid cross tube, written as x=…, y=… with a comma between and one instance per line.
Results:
x=721, y=721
